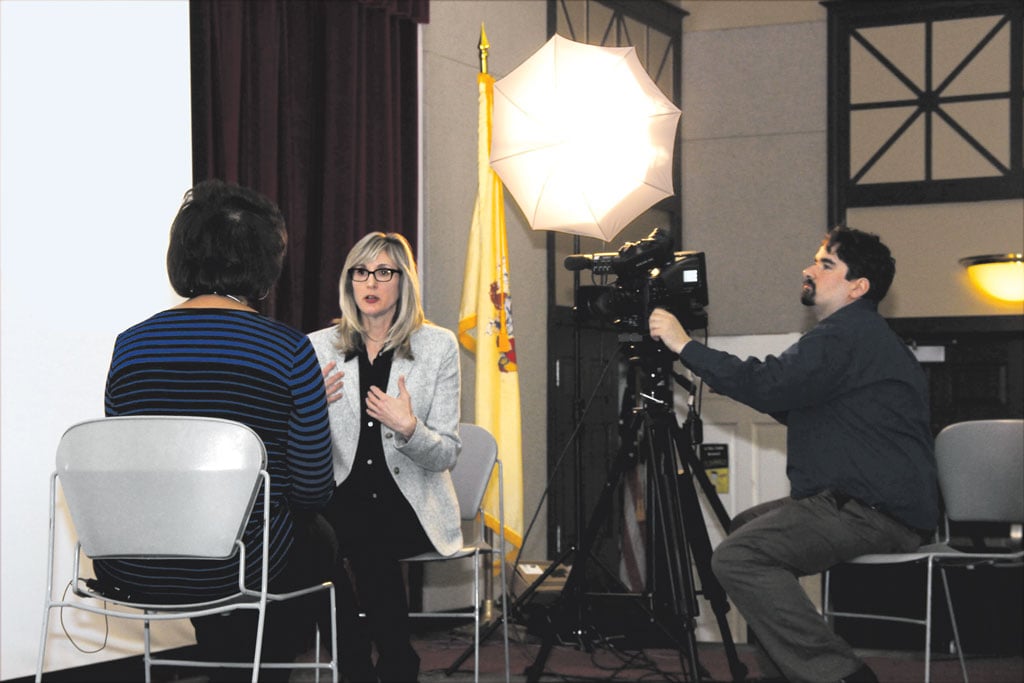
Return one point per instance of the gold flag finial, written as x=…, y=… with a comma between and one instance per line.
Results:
x=483, y=46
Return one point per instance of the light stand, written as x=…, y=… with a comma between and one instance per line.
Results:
x=577, y=417
x=579, y=493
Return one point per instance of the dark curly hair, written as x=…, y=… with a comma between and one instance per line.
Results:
x=226, y=239
x=865, y=256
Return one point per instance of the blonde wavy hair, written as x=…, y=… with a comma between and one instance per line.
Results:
x=409, y=311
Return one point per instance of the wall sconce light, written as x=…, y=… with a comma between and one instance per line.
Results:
x=998, y=275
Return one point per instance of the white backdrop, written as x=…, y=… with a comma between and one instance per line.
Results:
x=95, y=134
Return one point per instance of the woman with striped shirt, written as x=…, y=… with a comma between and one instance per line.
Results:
x=215, y=355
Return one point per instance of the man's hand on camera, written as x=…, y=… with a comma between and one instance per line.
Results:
x=665, y=327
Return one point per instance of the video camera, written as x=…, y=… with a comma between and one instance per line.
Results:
x=649, y=275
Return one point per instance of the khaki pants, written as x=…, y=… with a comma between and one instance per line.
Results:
x=771, y=546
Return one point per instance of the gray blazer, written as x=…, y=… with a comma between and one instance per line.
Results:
x=420, y=466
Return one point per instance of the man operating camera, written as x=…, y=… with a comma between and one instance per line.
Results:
x=860, y=456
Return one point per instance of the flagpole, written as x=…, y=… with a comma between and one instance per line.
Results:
x=483, y=46
x=488, y=602
x=486, y=331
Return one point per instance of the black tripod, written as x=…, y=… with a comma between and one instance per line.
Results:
x=678, y=538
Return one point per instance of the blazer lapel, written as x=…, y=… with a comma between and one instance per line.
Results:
x=399, y=366
x=352, y=385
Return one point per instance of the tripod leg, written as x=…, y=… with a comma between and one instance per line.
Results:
x=700, y=544
x=671, y=538
x=568, y=606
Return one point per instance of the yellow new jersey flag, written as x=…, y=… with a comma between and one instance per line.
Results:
x=485, y=329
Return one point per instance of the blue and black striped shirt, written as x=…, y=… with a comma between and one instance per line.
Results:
x=241, y=366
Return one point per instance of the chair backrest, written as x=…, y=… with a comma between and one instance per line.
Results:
x=473, y=469
x=981, y=470
x=160, y=486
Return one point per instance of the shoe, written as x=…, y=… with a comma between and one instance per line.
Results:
x=862, y=675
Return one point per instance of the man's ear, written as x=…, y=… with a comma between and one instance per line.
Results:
x=859, y=287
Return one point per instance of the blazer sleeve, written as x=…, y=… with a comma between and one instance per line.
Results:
x=435, y=443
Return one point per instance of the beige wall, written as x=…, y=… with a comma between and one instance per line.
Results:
x=713, y=15
x=754, y=195
x=753, y=187
x=754, y=168
x=516, y=29
x=450, y=66
x=753, y=192
x=929, y=240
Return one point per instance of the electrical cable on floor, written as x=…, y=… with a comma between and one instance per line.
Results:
x=106, y=626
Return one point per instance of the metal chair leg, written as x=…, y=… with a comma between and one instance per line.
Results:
x=952, y=621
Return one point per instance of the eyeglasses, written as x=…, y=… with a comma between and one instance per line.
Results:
x=380, y=275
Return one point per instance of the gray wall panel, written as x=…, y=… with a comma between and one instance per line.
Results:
x=755, y=81
x=755, y=206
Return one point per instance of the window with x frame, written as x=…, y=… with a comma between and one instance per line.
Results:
x=925, y=102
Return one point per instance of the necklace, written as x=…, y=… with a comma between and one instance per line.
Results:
x=236, y=299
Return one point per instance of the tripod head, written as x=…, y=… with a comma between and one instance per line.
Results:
x=649, y=365
x=650, y=369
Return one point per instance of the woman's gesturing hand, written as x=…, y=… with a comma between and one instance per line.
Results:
x=392, y=411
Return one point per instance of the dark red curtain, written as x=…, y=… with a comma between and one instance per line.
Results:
x=313, y=103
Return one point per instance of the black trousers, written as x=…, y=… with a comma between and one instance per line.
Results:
x=372, y=603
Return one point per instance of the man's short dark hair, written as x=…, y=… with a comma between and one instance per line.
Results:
x=866, y=256
x=226, y=239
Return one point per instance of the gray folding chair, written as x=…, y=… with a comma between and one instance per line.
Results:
x=471, y=475
x=980, y=469
x=167, y=487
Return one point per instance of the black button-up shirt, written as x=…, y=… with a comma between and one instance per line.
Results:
x=855, y=403
x=379, y=513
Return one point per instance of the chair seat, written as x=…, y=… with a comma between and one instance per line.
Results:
x=83, y=590
x=939, y=552
x=251, y=598
x=921, y=553
x=465, y=551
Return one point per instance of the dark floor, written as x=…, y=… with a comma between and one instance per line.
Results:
x=440, y=646
x=605, y=663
